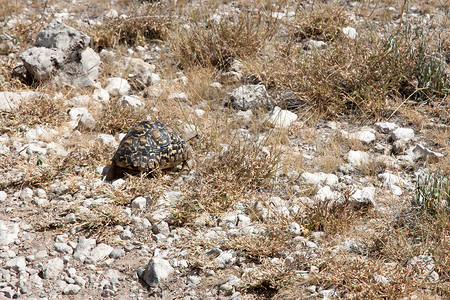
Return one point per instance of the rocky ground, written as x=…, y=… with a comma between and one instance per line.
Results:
x=285, y=198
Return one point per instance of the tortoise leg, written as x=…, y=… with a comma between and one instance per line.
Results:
x=113, y=172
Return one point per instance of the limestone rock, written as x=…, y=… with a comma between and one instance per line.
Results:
x=250, y=97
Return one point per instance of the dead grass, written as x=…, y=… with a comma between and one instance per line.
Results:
x=209, y=42
x=226, y=176
x=152, y=22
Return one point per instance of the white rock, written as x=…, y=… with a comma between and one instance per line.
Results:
x=53, y=268
x=249, y=97
x=366, y=136
x=126, y=235
x=117, y=86
x=279, y=118
x=130, y=101
x=83, y=248
x=319, y=178
x=71, y=289
x=63, y=248
x=358, y=158
x=390, y=179
x=216, y=85
x=405, y=134
x=161, y=227
x=181, y=96
x=157, y=270
x=112, y=14
x=226, y=258
x=26, y=194
x=155, y=79
x=385, y=127
x=294, y=228
x=139, y=203
x=396, y=190
x=41, y=193
x=315, y=45
x=101, y=251
x=90, y=61
x=380, y=279
x=101, y=95
x=200, y=112
x=367, y=194
x=10, y=101
x=108, y=140
x=58, y=35
x=350, y=32
x=77, y=112
x=8, y=232
x=325, y=193
x=17, y=263
x=3, y=196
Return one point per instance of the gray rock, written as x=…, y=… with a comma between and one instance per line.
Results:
x=53, y=268
x=6, y=44
x=126, y=235
x=42, y=62
x=8, y=232
x=139, y=203
x=17, y=263
x=100, y=252
x=117, y=253
x=84, y=248
x=58, y=35
x=157, y=270
x=161, y=227
x=250, y=97
x=131, y=102
x=63, y=248
x=385, y=127
x=422, y=152
x=71, y=289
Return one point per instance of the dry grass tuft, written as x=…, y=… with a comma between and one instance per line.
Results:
x=321, y=24
x=152, y=23
x=225, y=177
x=208, y=42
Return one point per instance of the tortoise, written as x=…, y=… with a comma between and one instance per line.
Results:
x=148, y=147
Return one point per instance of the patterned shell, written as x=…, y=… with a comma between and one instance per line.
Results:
x=150, y=146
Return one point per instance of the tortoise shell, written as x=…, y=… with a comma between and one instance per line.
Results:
x=148, y=147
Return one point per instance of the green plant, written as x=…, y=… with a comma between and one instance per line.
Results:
x=433, y=193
